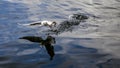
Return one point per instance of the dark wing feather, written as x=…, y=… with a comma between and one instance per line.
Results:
x=32, y=38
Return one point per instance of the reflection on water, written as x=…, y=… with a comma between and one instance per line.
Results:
x=93, y=42
x=47, y=43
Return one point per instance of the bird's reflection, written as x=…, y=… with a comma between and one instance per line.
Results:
x=48, y=43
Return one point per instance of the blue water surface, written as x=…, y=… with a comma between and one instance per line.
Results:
x=93, y=43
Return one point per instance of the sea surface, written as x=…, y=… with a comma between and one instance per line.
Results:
x=94, y=43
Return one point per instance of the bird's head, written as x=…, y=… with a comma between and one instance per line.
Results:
x=78, y=16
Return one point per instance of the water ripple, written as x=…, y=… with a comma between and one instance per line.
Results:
x=93, y=43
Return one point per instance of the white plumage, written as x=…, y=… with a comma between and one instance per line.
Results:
x=40, y=23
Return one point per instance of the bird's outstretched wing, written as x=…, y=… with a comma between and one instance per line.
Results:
x=32, y=38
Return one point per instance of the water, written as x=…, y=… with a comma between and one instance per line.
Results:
x=93, y=43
